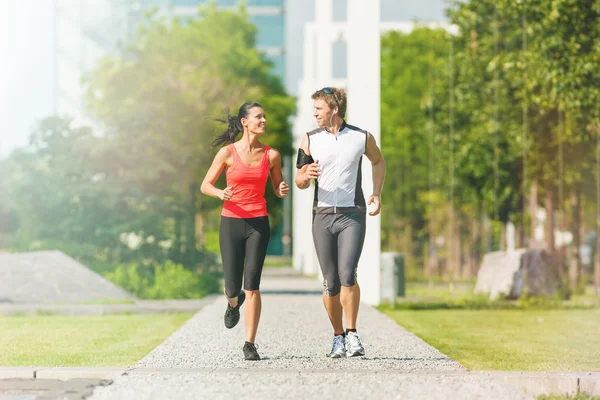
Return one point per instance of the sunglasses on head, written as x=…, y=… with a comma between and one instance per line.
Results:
x=327, y=90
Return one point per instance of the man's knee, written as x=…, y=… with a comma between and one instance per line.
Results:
x=348, y=279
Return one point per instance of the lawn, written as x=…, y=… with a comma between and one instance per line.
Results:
x=516, y=340
x=90, y=341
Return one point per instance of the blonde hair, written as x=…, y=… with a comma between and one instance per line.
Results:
x=334, y=97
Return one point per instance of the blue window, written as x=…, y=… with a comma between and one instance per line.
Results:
x=251, y=3
x=186, y=3
x=226, y=3
x=270, y=30
x=278, y=64
x=266, y=2
x=340, y=10
x=340, y=57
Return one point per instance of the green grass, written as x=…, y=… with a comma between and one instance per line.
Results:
x=277, y=261
x=433, y=291
x=90, y=341
x=579, y=396
x=514, y=340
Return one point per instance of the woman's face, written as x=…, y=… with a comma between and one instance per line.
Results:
x=255, y=121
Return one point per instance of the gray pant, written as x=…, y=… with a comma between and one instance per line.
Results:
x=339, y=241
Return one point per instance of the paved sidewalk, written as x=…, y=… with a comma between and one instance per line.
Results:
x=136, y=307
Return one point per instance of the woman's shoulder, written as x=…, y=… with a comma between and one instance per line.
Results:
x=224, y=153
x=273, y=153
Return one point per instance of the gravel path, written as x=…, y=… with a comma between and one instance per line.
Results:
x=294, y=336
x=294, y=333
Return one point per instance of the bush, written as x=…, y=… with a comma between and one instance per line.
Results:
x=131, y=278
x=167, y=281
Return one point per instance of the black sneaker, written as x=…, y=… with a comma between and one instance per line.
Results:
x=232, y=314
x=250, y=352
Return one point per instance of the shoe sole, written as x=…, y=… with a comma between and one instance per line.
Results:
x=335, y=355
x=355, y=354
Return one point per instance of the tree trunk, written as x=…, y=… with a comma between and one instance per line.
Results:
x=190, y=227
x=575, y=261
x=176, y=248
x=549, y=231
x=533, y=204
x=431, y=254
x=597, y=253
x=458, y=265
x=503, y=246
x=450, y=266
x=476, y=245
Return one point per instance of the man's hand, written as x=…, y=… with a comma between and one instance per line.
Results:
x=226, y=194
x=374, y=200
x=313, y=171
x=283, y=189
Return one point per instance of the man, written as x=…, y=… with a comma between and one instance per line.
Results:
x=332, y=156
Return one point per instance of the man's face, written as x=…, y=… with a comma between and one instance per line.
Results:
x=322, y=113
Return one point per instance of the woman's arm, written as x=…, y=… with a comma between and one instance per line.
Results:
x=208, y=184
x=280, y=188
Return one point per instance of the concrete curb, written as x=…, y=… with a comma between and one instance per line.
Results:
x=139, y=307
x=534, y=383
x=538, y=383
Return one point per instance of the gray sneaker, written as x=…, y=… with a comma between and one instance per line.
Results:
x=338, y=349
x=353, y=345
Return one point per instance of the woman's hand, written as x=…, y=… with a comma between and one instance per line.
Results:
x=226, y=194
x=283, y=189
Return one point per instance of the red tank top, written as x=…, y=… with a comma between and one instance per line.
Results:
x=248, y=186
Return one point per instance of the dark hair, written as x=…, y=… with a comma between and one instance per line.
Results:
x=234, y=123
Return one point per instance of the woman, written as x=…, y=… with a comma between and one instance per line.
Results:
x=244, y=233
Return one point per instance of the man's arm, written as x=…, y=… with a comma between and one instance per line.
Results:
x=374, y=155
x=307, y=171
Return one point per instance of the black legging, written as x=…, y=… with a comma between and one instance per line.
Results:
x=243, y=238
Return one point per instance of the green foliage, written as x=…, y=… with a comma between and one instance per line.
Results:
x=79, y=191
x=410, y=64
x=167, y=281
x=525, y=92
x=172, y=281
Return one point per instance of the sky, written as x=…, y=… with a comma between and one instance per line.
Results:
x=25, y=69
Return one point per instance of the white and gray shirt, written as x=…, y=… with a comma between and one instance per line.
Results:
x=340, y=158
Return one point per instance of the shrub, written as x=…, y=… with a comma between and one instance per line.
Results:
x=166, y=281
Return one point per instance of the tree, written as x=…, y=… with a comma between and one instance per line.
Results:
x=155, y=103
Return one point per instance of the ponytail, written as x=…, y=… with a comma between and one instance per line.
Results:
x=234, y=124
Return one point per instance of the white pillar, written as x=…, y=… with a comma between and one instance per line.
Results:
x=324, y=23
x=317, y=73
x=364, y=57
